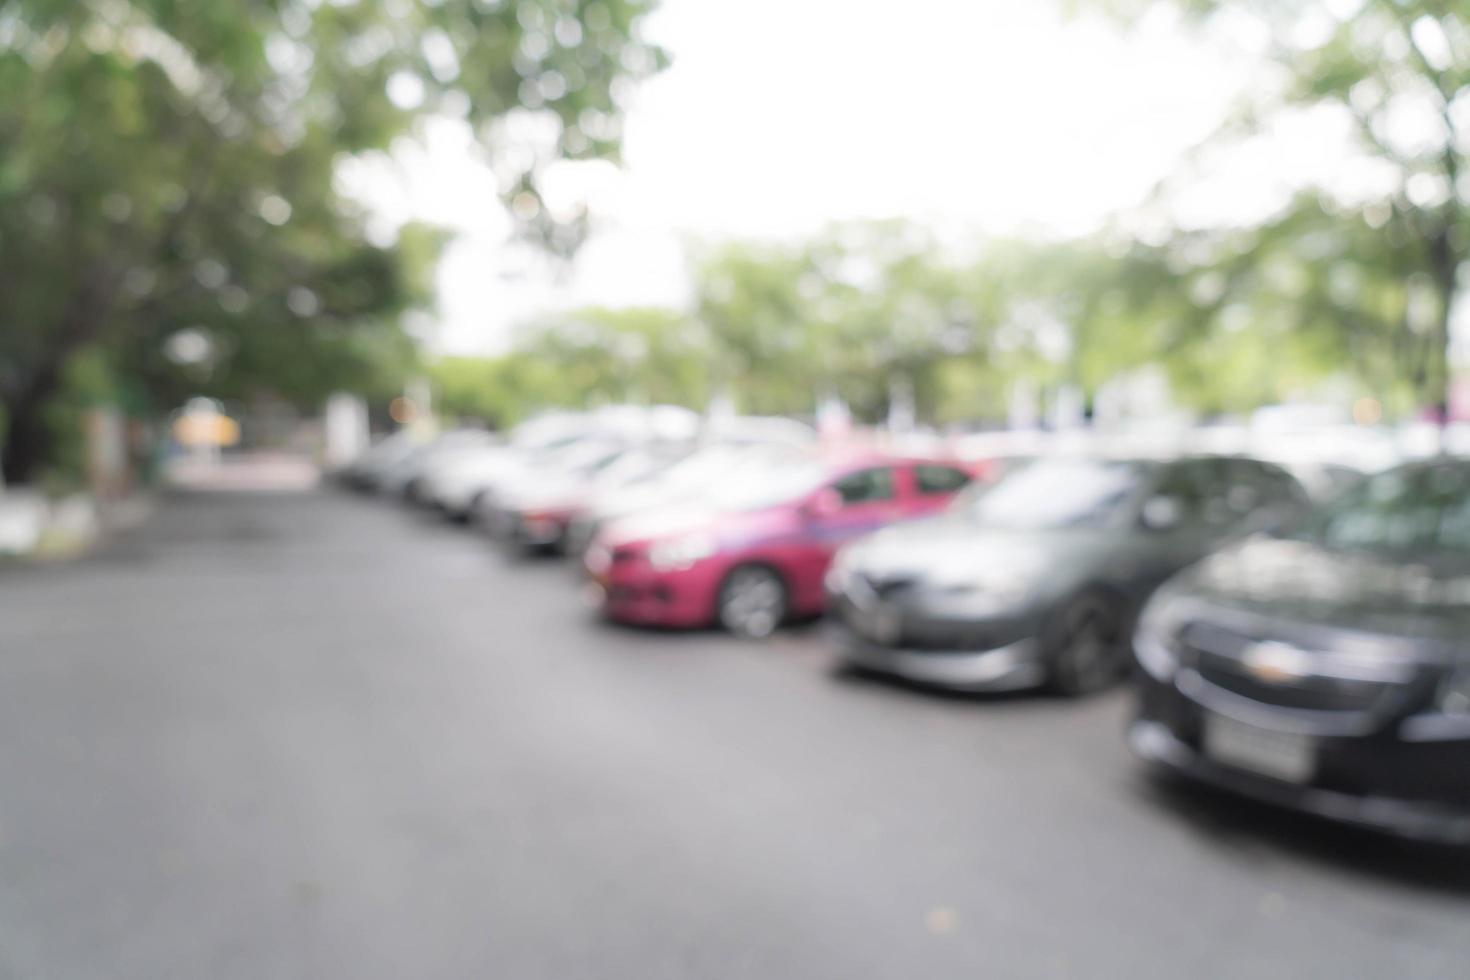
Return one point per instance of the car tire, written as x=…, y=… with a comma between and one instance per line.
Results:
x=1087, y=647
x=752, y=601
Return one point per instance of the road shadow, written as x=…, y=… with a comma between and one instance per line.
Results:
x=1253, y=830
x=858, y=678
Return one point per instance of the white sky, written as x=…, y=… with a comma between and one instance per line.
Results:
x=978, y=117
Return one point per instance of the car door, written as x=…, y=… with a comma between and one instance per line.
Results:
x=930, y=487
x=847, y=507
x=1175, y=523
x=1264, y=496
x=867, y=499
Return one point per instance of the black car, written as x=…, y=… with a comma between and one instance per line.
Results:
x=1038, y=578
x=1327, y=669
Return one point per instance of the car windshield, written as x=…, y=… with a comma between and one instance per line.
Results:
x=702, y=465
x=713, y=463
x=1422, y=509
x=766, y=486
x=636, y=466
x=1052, y=493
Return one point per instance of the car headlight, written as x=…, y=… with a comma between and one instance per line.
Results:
x=1154, y=640
x=681, y=552
x=1007, y=589
x=1454, y=692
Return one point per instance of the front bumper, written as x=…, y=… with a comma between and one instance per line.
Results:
x=925, y=646
x=539, y=530
x=638, y=594
x=1414, y=789
x=1014, y=666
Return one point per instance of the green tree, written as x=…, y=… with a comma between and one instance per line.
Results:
x=168, y=168
x=756, y=301
x=863, y=310
x=1380, y=271
x=635, y=354
x=579, y=359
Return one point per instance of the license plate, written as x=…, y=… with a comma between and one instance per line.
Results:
x=1280, y=755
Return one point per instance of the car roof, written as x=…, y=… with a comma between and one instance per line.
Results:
x=846, y=456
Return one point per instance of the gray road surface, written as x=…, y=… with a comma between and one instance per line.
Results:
x=309, y=735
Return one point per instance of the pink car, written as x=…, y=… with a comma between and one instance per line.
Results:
x=755, y=550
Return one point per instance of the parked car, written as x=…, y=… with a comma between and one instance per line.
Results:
x=364, y=472
x=1323, y=481
x=507, y=509
x=678, y=485
x=1327, y=669
x=455, y=485
x=465, y=487
x=753, y=551
x=404, y=476
x=538, y=513
x=1037, y=579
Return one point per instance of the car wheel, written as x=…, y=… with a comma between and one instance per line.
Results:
x=752, y=601
x=1088, y=652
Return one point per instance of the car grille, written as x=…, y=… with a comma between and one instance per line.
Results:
x=1217, y=655
x=945, y=637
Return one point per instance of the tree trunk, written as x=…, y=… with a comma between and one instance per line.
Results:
x=27, y=442
x=26, y=437
x=1445, y=263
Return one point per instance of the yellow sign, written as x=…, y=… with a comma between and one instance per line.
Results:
x=206, y=430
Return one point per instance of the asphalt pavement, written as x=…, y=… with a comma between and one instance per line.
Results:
x=309, y=735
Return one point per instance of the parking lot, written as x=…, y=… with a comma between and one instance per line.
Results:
x=311, y=735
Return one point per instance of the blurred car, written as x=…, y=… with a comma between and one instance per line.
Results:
x=464, y=487
x=1327, y=669
x=455, y=484
x=753, y=551
x=1037, y=579
x=538, y=513
x=403, y=477
x=1324, y=481
x=991, y=470
x=755, y=430
x=526, y=505
x=364, y=472
x=679, y=484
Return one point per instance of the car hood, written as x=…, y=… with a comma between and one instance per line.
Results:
x=624, y=501
x=565, y=494
x=671, y=521
x=481, y=465
x=948, y=549
x=1306, y=582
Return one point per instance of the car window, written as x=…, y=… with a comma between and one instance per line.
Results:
x=1424, y=508
x=931, y=479
x=1454, y=518
x=1053, y=494
x=1190, y=485
x=1255, y=486
x=865, y=486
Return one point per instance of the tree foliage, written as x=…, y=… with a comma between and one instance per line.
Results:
x=860, y=312
x=1374, y=268
x=577, y=359
x=168, y=167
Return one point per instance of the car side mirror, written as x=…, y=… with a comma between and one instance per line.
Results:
x=1161, y=513
x=824, y=503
